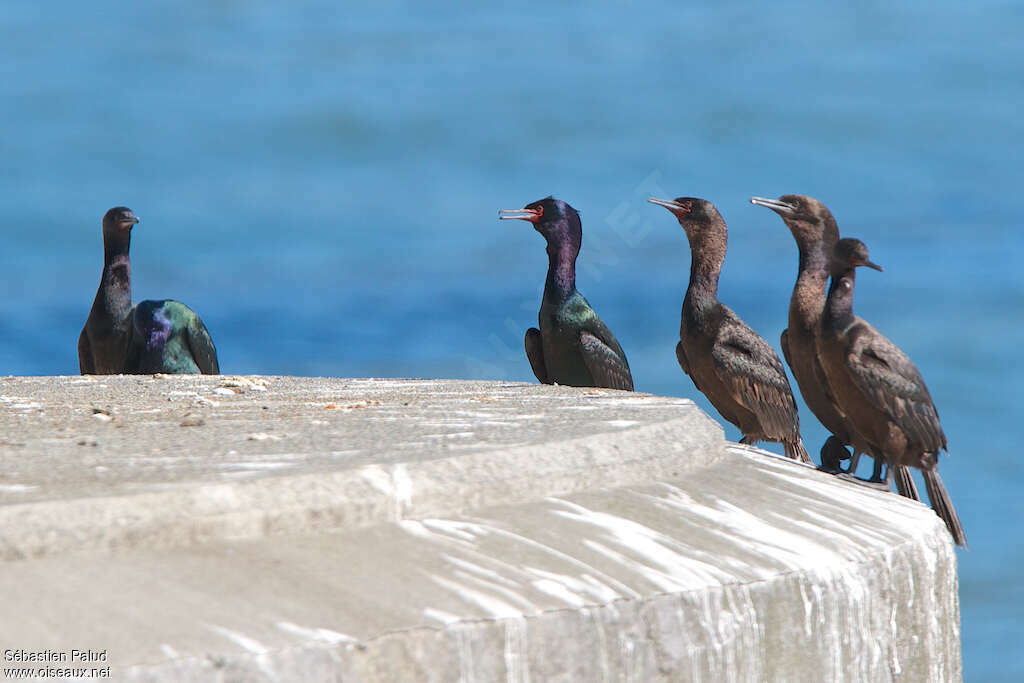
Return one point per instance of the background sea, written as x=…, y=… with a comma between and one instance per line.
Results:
x=320, y=182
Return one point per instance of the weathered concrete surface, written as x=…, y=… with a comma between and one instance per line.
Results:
x=721, y=563
x=177, y=460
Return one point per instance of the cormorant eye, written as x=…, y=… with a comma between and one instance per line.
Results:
x=540, y=211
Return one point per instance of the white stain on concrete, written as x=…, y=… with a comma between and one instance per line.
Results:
x=240, y=639
x=393, y=482
x=402, y=486
x=586, y=569
x=659, y=558
x=441, y=616
x=343, y=454
x=377, y=477
x=263, y=436
x=466, y=531
x=572, y=589
x=250, y=645
x=324, y=635
x=247, y=466
x=479, y=570
x=559, y=591
x=517, y=663
x=490, y=605
x=641, y=402
x=16, y=488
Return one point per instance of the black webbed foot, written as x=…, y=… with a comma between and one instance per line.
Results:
x=833, y=452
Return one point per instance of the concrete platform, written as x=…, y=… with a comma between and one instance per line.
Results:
x=304, y=529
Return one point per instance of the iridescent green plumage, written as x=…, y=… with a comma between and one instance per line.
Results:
x=573, y=345
x=168, y=336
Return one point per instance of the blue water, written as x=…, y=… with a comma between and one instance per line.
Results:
x=321, y=184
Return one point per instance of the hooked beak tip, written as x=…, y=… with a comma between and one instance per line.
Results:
x=773, y=204
x=666, y=203
x=530, y=215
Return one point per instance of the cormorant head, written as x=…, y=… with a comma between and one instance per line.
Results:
x=551, y=217
x=808, y=219
x=119, y=218
x=850, y=253
x=117, y=231
x=694, y=214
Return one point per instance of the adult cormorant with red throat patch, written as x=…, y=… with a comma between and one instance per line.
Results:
x=573, y=346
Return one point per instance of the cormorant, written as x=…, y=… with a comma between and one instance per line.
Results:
x=878, y=388
x=816, y=233
x=573, y=346
x=155, y=336
x=167, y=336
x=735, y=368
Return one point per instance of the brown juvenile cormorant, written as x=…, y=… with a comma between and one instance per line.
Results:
x=573, y=346
x=735, y=368
x=155, y=336
x=816, y=233
x=878, y=388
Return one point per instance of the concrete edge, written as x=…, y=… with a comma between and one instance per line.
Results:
x=335, y=501
x=505, y=647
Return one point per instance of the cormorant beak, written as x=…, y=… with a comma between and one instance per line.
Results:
x=532, y=215
x=675, y=207
x=127, y=222
x=781, y=208
x=856, y=262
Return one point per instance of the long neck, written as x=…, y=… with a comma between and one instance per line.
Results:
x=114, y=296
x=707, y=253
x=561, y=280
x=838, y=313
x=809, y=292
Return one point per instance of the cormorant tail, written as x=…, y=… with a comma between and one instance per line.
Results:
x=796, y=451
x=905, y=483
x=943, y=506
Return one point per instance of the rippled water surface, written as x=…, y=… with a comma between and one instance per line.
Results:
x=321, y=183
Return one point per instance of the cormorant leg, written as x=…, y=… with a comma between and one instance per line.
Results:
x=876, y=473
x=890, y=476
x=854, y=462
